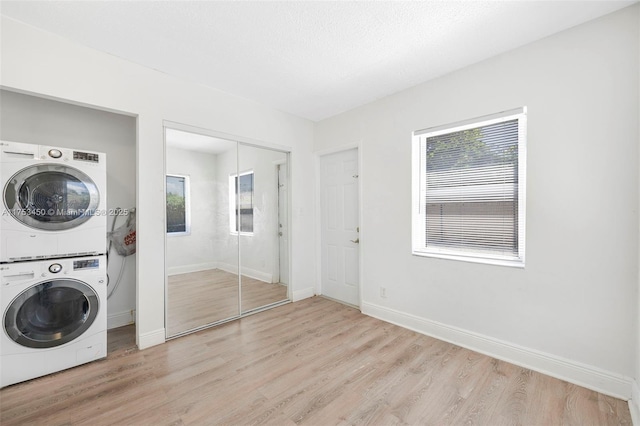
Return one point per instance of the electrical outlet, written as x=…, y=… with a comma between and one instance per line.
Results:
x=383, y=292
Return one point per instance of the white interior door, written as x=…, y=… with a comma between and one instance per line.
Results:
x=340, y=275
x=283, y=231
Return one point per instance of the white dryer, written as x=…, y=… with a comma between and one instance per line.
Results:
x=54, y=202
x=54, y=316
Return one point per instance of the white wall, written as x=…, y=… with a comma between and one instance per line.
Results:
x=35, y=120
x=38, y=62
x=573, y=310
x=194, y=251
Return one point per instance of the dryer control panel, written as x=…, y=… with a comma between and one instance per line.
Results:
x=86, y=264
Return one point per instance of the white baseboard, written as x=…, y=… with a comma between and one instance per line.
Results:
x=247, y=272
x=634, y=403
x=571, y=371
x=185, y=269
x=120, y=319
x=304, y=293
x=152, y=338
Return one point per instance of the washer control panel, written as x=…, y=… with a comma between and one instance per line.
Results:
x=86, y=156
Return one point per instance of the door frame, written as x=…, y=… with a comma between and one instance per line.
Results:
x=318, y=231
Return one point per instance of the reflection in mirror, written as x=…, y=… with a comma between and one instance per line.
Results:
x=202, y=255
x=261, y=205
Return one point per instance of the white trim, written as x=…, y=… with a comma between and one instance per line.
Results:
x=361, y=234
x=304, y=293
x=318, y=223
x=247, y=272
x=289, y=208
x=152, y=338
x=165, y=301
x=196, y=267
x=486, y=260
x=590, y=377
x=634, y=403
x=471, y=123
x=120, y=319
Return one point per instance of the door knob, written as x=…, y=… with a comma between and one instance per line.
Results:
x=357, y=241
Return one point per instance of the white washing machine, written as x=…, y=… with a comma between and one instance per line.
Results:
x=54, y=202
x=54, y=316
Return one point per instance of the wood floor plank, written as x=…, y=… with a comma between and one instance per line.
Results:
x=314, y=362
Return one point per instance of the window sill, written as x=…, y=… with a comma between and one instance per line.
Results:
x=178, y=234
x=472, y=259
x=242, y=234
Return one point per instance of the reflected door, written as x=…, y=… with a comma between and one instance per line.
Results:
x=283, y=224
x=258, y=215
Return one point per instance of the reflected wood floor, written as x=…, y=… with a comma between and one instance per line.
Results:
x=204, y=297
x=314, y=362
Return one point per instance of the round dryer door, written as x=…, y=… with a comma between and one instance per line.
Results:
x=51, y=313
x=51, y=197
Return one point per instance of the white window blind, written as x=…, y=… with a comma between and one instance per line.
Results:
x=470, y=189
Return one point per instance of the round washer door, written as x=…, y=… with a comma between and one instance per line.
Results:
x=51, y=313
x=51, y=197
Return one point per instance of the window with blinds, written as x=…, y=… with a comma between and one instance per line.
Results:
x=241, y=203
x=469, y=189
x=177, y=199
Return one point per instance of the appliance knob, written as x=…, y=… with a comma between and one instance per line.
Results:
x=55, y=153
x=54, y=268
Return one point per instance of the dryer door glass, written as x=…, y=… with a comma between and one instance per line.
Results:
x=51, y=197
x=51, y=313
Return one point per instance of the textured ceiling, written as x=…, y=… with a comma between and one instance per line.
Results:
x=311, y=59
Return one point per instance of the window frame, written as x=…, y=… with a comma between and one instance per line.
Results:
x=419, y=138
x=187, y=205
x=233, y=202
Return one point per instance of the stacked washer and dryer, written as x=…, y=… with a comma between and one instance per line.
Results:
x=53, y=296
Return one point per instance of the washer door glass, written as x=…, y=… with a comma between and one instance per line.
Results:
x=51, y=197
x=51, y=313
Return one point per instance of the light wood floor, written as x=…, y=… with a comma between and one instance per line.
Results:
x=314, y=362
x=204, y=297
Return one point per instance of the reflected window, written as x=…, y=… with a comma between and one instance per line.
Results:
x=178, y=205
x=241, y=203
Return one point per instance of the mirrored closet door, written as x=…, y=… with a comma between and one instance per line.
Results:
x=227, y=239
x=264, y=248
